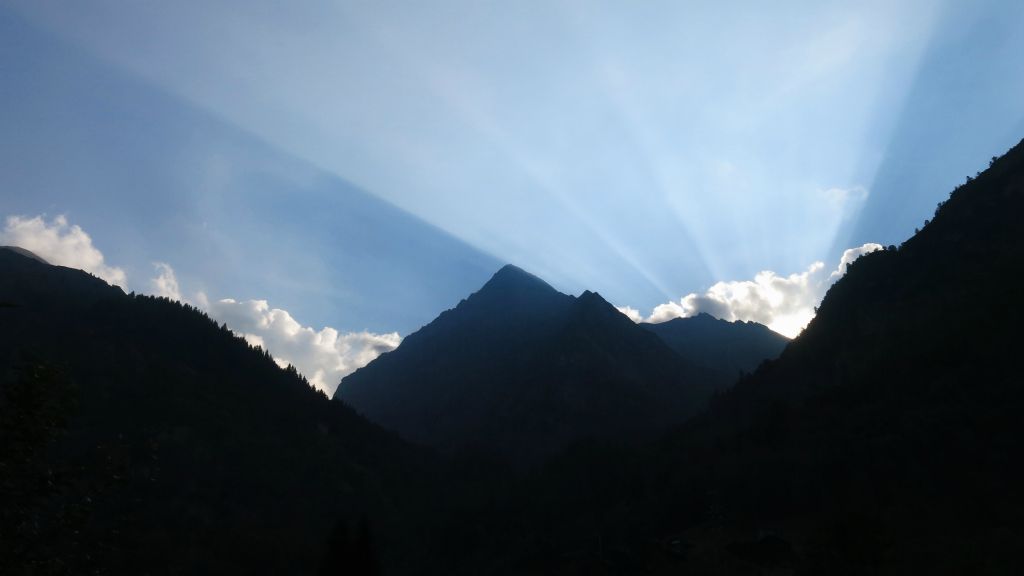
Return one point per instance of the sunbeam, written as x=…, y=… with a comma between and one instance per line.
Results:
x=534, y=286
x=645, y=152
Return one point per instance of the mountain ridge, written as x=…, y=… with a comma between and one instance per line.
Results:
x=729, y=347
x=138, y=436
x=514, y=368
x=885, y=439
x=133, y=428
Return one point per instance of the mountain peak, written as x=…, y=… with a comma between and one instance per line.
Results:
x=593, y=299
x=520, y=370
x=512, y=278
x=512, y=296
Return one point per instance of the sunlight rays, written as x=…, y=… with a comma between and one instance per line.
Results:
x=643, y=151
x=726, y=211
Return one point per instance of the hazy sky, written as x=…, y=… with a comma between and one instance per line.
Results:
x=364, y=165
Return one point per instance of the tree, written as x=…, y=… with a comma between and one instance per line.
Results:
x=350, y=554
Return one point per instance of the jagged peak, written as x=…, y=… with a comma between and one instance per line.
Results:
x=592, y=298
x=511, y=278
x=699, y=318
x=704, y=318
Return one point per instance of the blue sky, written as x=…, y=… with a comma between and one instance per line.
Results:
x=366, y=165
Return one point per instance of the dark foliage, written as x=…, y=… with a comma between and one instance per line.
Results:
x=350, y=552
x=139, y=437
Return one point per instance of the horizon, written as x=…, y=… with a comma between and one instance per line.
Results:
x=326, y=182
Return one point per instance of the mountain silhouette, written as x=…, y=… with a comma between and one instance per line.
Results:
x=885, y=439
x=138, y=436
x=888, y=426
x=519, y=370
x=727, y=347
x=891, y=425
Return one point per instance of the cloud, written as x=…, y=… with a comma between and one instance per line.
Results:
x=165, y=283
x=61, y=244
x=783, y=303
x=323, y=356
x=849, y=255
x=631, y=313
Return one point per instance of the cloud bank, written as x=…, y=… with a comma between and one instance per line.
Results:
x=61, y=244
x=783, y=303
x=323, y=356
x=631, y=313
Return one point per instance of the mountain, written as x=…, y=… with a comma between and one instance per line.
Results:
x=891, y=428
x=885, y=439
x=137, y=436
x=727, y=347
x=519, y=370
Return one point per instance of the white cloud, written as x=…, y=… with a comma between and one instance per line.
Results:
x=61, y=244
x=783, y=303
x=165, y=283
x=323, y=356
x=849, y=255
x=631, y=313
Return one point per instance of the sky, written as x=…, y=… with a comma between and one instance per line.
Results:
x=328, y=177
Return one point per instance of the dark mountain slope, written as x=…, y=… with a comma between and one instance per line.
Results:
x=137, y=436
x=886, y=435
x=886, y=439
x=521, y=370
x=940, y=309
x=897, y=412
x=728, y=347
x=23, y=252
